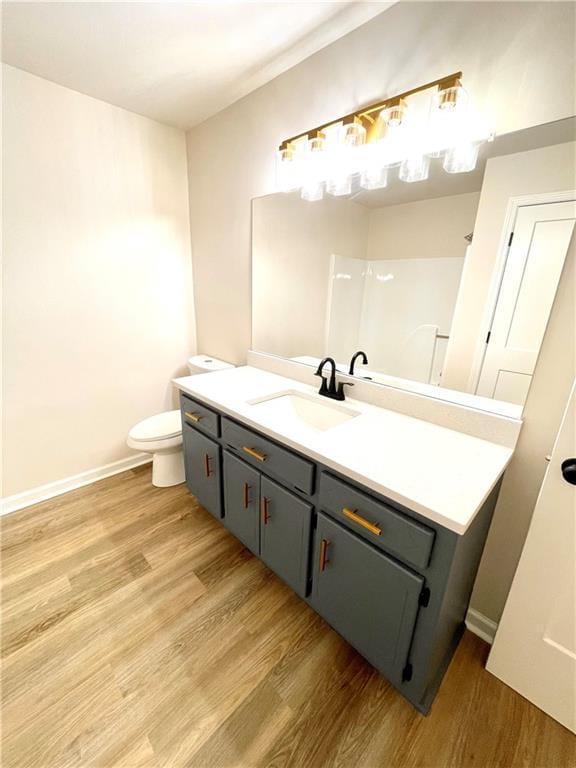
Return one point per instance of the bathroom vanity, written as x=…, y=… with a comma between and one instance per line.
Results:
x=376, y=519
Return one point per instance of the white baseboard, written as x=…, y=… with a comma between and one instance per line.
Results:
x=42, y=492
x=481, y=625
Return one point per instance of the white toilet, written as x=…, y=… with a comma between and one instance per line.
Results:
x=161, y=435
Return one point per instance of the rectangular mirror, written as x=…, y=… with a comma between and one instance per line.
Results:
x=446, y=284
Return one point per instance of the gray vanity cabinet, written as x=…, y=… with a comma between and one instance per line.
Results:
x=285, y=522
x=394, y=584
x=202, y=464
x=369, y=598
x=242, y=501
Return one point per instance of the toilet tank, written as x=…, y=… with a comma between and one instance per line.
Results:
x=205, y=363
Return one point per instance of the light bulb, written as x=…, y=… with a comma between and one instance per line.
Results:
x=375, y=178
x=312, y=191
x=449, y=99
x=447, y=122
x=374, y=173
x=341, y=159
x=462, y=158
x=286, y=170
x=394, y=115
x=312, y=159
x=414, y=168
x=395, y=146
x=353, y=134
x=339, y=186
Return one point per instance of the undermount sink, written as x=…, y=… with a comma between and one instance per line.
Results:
x=307, y=409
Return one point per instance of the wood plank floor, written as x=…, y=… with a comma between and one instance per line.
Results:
x=137, y=632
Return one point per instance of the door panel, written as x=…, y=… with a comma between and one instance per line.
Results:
x=542, y=235
x=535, y=647
x=202, y=463
x=285, y=534
x=242, y=497
x=370, y=599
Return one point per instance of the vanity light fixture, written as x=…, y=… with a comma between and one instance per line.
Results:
x=359, y=149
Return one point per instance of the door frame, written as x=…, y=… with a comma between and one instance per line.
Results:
x=514, y=203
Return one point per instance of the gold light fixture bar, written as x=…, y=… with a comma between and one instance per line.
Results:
x=366, y=114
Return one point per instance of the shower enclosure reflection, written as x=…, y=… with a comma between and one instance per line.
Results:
x=399, y=309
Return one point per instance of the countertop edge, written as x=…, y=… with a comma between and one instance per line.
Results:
x=367, y=482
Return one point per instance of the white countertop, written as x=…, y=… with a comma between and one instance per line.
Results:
x=442, y=474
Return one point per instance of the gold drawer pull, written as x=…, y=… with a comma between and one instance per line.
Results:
x=323, y=553
x=192, y=416
x=353, y=515
x=254, y=453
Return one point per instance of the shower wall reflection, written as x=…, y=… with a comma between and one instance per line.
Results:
x=400, y=309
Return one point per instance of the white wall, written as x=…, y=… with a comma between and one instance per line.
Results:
x=518, y=61
x=98, y=312
x=442, y=223
x=293, y=241
x=345, y=300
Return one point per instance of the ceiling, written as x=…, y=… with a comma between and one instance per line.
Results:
x=177, y=63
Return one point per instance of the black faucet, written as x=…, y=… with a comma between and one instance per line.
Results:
x=329, y=388
x=353, y=361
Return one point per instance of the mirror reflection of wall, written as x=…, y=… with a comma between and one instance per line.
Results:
x=399, y=300
x=393, y=272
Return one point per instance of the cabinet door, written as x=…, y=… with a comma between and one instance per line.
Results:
x=202, y=459
x=285, y=534
x=241, y=501
x=369, y=599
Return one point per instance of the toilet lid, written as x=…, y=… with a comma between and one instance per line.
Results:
x=158, y=427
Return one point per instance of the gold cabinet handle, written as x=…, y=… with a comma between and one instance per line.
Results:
x=192, y=416
x=353, y=515
x=265, y=509
x=323, y=553
x=246, y=495
x=254, y=453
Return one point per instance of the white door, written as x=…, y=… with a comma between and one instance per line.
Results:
x=541, y=237
x=534, y=651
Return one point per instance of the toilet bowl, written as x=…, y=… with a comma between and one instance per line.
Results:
x=161, y=435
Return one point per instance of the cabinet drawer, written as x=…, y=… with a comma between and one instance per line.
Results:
x=269, y=457
x=199, y=416
x=375, y=521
